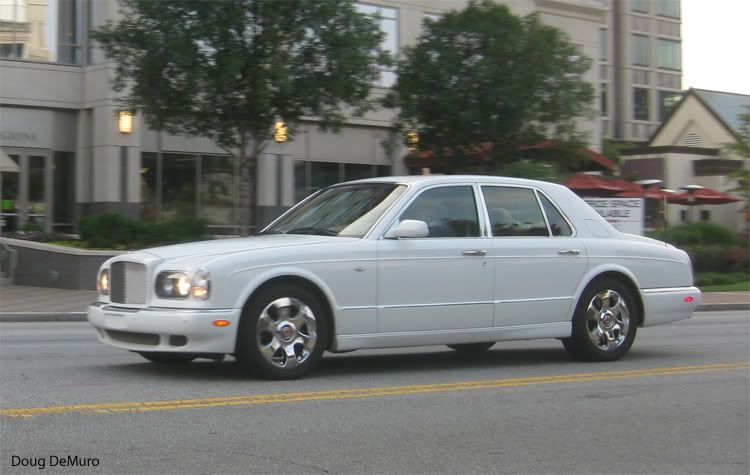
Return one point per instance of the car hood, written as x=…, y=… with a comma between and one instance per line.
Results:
x=218, y=247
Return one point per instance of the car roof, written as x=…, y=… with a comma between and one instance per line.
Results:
x=445, y=179
x=439, y=179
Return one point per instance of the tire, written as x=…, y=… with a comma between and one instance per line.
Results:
x=166, y=358
x=604, y=323
x=472, y=347
x=283, y=333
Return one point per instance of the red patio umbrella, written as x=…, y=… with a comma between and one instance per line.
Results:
x=702, y=196
x=627, y=186
x=652, y=193
x=593, y=185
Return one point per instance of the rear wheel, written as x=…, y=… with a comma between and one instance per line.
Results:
x=283, y=332
x=604, y=323
x=472, y=347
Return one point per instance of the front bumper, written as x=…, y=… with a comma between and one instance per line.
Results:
x=164, y=329
x=669, y=305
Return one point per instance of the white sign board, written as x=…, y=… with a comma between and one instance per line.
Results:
x=625, y=214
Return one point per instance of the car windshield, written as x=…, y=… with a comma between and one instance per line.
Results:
x=345, y=210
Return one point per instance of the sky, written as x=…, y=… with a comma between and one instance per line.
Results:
x=716, y=45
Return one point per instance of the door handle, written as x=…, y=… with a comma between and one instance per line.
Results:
x=474, y=252
x=569, y=252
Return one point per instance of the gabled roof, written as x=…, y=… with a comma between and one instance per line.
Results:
x=724, y=106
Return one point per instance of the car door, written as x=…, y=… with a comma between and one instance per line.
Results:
x=538, y=260
x=442, y=281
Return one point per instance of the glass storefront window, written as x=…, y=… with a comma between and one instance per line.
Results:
x=10, y=178
x=178, y=186
x=149, y=190
x=323, y=174
x=37, y=206
x=217, y=190
x=64, y=186
x=310, y=177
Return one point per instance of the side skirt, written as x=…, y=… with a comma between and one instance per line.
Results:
x=450, y=337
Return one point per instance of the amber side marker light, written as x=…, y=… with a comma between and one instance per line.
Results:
x=221, y=323
x=689, y=299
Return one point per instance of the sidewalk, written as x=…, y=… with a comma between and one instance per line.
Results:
x=41, y=304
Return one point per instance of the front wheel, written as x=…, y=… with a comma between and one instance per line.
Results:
x=283, y=332
x=604, y=323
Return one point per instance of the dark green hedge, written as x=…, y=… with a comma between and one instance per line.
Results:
x=115, y=231
x=712, y=247
x=697, y=233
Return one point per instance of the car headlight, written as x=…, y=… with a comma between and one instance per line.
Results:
x=102, y=283
x=179, y=285
x=201, y=284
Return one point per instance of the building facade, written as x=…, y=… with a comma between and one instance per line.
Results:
x=689, y=148
x=64, y=157
x=640, y=66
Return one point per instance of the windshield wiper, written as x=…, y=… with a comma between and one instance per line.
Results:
x=312, y=230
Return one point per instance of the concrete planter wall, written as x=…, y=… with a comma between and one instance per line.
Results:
x=46, y=265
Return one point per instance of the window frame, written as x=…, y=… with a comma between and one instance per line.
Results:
x=634, y=61
x=479, y=207
x=648, y=104
x=536, y=193
x=668, y=45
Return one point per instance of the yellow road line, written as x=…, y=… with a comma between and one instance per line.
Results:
x=146, y=406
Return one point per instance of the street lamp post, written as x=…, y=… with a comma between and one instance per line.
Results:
x=691, y=189
x=646, y=184
x=125, y=127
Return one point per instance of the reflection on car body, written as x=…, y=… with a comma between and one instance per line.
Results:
x=463, y=261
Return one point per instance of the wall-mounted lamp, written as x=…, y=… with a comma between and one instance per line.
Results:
x=125, y=122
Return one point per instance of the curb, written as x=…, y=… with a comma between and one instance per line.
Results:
x=33, y=317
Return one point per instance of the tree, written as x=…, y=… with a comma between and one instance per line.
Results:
x=741, y=148
x=485, y=76
x=228, y=70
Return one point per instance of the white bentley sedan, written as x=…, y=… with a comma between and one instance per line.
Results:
x=463, y=261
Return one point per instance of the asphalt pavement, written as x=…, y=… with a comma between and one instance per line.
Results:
x=678, y=403
x=42, y=304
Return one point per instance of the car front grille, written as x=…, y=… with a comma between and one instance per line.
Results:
x=148, y=339
x=129, y=283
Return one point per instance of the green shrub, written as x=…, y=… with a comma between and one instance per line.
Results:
x=716, y=278
x=108, y=230
x=703, y=233
x=115, y=231
x=720, y=259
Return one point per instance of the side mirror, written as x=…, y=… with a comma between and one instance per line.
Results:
x=408, y=228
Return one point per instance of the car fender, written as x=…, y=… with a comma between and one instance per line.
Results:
x=595, y=272
x=287, y=271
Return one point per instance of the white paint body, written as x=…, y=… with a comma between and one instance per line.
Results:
x=408, y=292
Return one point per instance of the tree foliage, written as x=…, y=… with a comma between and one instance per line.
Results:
x=483, y=75
x=741, y=148
x=228, y=70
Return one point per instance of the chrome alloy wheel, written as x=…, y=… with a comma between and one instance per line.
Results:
x=286, y=333
x=607, y=320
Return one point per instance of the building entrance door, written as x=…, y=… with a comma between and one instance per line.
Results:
x=25, y=190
